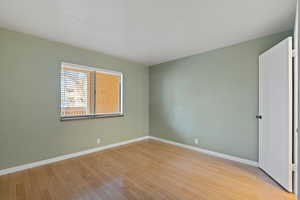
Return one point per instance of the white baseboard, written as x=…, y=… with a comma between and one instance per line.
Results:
x=212, y=153
x=64, y=157
x=72, y=155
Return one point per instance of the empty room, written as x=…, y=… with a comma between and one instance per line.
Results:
x=153, y=100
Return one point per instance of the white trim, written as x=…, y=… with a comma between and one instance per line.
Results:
x=122, y=94
x=296, y=82
x=94, y=70
x=84, y=67
x=212, y=153
x=72, y=155
x=64, y=157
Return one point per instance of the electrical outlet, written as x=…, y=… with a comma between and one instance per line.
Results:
x=98, y=140
x=196, y=140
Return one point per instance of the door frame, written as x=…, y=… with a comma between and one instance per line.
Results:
x=296, y=102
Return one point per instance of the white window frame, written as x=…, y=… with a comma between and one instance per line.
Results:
x=100, y=70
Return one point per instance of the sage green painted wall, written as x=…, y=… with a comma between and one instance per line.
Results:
x=30, y=129
x=212, y=96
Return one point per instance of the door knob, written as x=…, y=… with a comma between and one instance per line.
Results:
x=258, y=117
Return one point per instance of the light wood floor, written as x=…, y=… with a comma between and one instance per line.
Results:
x=142, y=170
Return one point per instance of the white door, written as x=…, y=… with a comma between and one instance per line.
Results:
x=275, y=113
x=296, y=82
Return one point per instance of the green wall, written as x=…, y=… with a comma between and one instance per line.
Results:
x=30, y=129
x=212, y=96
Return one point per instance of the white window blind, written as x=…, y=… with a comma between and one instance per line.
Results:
x=74, y=89
x=74, y=92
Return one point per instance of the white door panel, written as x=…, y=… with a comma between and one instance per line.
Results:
x=275, y=107
x=295, y=67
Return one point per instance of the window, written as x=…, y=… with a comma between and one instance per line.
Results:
x=88, y=92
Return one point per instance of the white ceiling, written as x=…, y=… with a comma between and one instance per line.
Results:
x=148, y=31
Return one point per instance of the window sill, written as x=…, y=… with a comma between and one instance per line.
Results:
x=68, y=118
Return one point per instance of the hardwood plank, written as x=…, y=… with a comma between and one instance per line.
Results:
x=143, y=170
